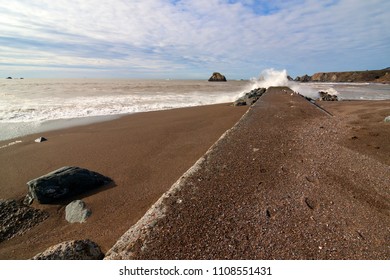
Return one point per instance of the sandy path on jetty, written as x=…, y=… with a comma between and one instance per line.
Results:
x=283, y=184
x=143, y=153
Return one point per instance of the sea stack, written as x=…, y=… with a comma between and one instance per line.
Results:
x=217, y=77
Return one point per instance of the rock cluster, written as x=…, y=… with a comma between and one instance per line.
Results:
x=217, y=77
x=303, y=79
x=16, y=218
x=72, y=250
x=64, y=183
x=325, y=96
x=250, y=98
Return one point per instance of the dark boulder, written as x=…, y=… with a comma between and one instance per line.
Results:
x=65, y=183
x=250, y=98
x=9, y=78
x=217, y=77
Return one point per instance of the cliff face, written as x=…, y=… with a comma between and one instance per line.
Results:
x=369, y=76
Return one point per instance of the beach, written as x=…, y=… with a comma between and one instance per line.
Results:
x=143, y=153
x=289, y=180
x=284, y=183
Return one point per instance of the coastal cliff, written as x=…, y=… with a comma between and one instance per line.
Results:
x=369, y=76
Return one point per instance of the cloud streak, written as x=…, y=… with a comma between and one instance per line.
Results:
x=188, y=39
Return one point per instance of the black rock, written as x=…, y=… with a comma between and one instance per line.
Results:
x=65, y=183
x=9, y=78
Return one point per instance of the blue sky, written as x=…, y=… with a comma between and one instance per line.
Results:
x=191, y=39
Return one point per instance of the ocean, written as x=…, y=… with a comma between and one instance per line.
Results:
x=36, y=105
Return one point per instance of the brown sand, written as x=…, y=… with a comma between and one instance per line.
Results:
x=143, y=153
x=285, y=183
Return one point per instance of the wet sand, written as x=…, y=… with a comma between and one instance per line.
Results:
x=143, y=153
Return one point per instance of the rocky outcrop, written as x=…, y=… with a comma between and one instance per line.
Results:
x=303, y=79
x=325, y=96
x=65, y=183
x=217, y=77
x=17, y=218
x=250, y=98
x=76, y=212
x=369, y=76
x=72, y=250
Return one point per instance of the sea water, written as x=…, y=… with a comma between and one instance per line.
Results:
x=35, y=105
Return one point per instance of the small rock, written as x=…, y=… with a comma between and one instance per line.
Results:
x=387, y=119
x=40, y=139
x=75, y=212
x=72, y=250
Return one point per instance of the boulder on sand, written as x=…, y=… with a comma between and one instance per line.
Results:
x=75, y=212
x=65, y=183
x=217, y=77
x=72, y=250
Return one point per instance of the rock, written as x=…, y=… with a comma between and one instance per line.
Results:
x=250, y=98
x=217, y=77
x=16, y=218
x=387, y=119
x=9, y=78
x=72, y=250
x=40, y=139
x=65, y=183
x=75, y=212
x=303, y=79
x=325, y=96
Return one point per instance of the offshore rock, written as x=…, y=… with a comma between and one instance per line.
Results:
x=75, y=212
x=72, y=250
x=250, y=98
x=217, y=77
x=65, y=183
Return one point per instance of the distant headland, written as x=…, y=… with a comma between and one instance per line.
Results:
x=368, y=76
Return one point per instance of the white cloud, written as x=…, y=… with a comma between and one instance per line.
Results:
x=153, y=34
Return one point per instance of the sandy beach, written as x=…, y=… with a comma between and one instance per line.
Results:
x=143, y=153
x=284, y=183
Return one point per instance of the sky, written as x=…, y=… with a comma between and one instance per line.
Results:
x=184, y=39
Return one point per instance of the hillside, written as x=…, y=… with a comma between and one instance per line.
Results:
x=372, y=76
